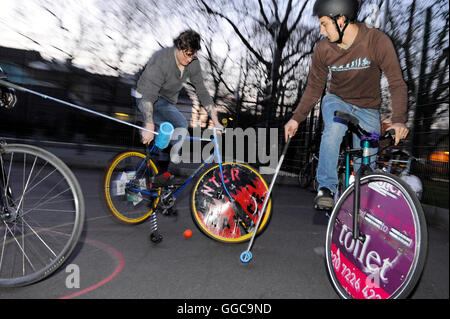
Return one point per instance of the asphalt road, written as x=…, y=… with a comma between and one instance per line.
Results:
x=118, y=261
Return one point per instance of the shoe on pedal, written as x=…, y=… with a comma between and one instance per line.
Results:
x=324, y=199
x=164, y=179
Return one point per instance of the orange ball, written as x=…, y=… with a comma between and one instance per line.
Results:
x=187, y=233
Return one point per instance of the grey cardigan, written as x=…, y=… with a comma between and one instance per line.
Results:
x=162, y=78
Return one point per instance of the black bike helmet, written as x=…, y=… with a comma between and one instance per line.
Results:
x=336, y=8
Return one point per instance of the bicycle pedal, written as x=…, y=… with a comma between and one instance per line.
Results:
x=163, y=211
x=169, y=212
x=156, y=237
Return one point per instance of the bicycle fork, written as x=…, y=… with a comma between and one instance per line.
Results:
x=357, y=198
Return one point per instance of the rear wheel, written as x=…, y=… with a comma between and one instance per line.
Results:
x=128, y=189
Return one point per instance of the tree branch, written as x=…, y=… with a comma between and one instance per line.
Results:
x=238, y=32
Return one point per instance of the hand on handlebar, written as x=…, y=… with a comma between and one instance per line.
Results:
x=401, y=131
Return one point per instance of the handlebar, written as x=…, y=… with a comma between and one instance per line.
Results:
x=223, y=130
x=388, y=134
x=353, y=124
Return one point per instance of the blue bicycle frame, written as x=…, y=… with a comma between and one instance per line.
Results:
x=176, y=190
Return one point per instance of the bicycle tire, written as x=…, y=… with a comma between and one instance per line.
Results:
x=46, y=215
x=216, y=216
x=304, y=176
x=125, y=205
x=390, y=261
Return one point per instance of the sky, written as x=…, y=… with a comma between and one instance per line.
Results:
x=17, y=25
x=25, y=24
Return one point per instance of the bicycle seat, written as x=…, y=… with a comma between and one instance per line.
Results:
x=345, y=118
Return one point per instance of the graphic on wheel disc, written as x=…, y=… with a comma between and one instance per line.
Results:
x=380, y=266
x=227, y=220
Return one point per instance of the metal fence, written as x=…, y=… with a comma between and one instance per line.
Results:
x=37, y=118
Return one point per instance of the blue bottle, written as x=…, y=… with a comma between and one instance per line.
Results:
x=164, y=134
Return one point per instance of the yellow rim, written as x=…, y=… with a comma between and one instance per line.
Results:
x=225, y=239
x=109, y=202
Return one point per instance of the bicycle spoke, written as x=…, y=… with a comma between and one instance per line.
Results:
x=20, y=247
x=3, y=247
x=47, y=201
x=39, y=237
x=43, y=217
x=28, y=180
x=34, y=231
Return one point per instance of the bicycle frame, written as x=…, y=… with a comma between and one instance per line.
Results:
x=176, y=190
x=364, y=154
x=365, y=167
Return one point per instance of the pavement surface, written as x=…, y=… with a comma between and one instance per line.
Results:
x=118, y=261
x=95, y=156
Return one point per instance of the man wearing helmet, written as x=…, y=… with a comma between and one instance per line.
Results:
x=355, y=55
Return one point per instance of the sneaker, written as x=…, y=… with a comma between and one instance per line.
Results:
x=324, y=199
x=164, y=179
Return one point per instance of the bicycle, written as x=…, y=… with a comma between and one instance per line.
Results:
x=376, y=240
x=41, y=214
x=307, y=174
x=226, y=198
x=400, y=165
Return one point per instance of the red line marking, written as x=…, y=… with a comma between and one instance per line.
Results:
x=120, y=265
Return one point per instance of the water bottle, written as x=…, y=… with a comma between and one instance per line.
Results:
x=164, y=134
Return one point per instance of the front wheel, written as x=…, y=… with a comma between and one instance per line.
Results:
x=42, y=217
x=388, y=259
x=224, y=220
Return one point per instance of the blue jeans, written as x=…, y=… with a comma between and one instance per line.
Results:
x=369, y=119
x=164, y=111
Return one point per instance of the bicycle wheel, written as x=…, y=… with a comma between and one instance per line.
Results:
x=390, y=259
x=305, y=175
x=43, y=218
x=225, y=221
x=127, y=188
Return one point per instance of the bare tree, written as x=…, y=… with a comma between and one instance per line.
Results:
x=277, y=42
x=424, y=58
x=422, y=46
